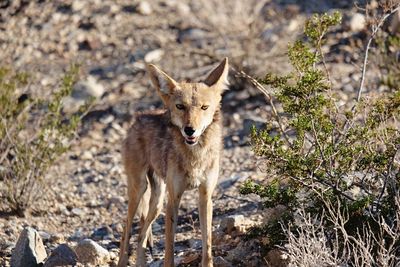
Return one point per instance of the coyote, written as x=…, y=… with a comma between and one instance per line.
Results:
x=174, y=149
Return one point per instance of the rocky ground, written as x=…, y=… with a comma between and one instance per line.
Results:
x=111, y=40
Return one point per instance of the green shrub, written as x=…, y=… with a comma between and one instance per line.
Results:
x=324, y=157
x=33, y=134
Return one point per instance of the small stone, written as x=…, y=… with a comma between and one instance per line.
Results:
x=275, y=257
x=83, y=92
x=90, y=252
x=348, y=88
x=293, y=25
x=57, y=238
x=221, y=262
x=157, y=263
x=196, y=37
x=63, y=255
x=77, y=211
x=357, y=22
x=154, y=56
x=78, y=5
x=44, y=235
x=77, y=235
x=187, y=259
x=195, y=243
x=231, y=222
x=144, y=8
x=29, y=250
x=119, y=228
x=156, y=227
x=243, y=251
x=88, y=88
x=104, y=232
x=249, y=122
x=182, y=8
x=86, y=155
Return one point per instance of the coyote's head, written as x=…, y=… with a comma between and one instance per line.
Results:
x=192, y=105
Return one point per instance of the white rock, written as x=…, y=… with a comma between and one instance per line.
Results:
x=29, y=250
x=89, y=252
x=144, y=8
x=357, y=22
x=154, y=56
x=78, y=5
x=82, y=92
x=86, y=155
x=293, y=25
x=182, y=8
x=77, y=211
x=89, y=88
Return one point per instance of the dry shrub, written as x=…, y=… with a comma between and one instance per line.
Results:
x=312, y=244
x=33, y=134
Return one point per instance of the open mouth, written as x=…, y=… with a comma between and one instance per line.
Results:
x=191, y=140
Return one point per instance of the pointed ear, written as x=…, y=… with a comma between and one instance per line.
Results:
x=219, y=76
x=161, y=81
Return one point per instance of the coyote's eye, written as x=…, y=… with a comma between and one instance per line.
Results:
x=180, y=106
x=204, y=107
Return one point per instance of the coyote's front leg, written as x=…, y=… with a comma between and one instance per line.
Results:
x=205, y=213
x=175, y=191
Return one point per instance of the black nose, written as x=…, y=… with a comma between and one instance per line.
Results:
x=189, y=131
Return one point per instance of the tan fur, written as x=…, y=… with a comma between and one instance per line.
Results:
x=158, y=154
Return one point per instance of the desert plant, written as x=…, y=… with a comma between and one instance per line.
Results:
x=33, y=134
x=318, y=153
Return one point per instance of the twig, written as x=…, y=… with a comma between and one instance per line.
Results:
x=375, y=29
x=268, y=94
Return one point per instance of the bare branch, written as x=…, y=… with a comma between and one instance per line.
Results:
x=268, y=94
x=375, y=29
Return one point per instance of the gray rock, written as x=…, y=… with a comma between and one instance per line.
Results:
x=221, y=262
x=249, y=122
x=243, y=252
x=156, y=227
x=231, y=222
x=89, y=252
x=157, y=263
x=276, y=257
x=29, y=250
x=195, y=243
x=196, y=37
x=104, y=232
x=45, y=236
x=63, y=255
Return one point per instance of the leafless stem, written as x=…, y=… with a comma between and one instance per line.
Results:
x=268, y=94
x=375, y=29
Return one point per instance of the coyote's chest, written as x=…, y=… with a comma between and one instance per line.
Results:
x=195, y=177
x=198, y=170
